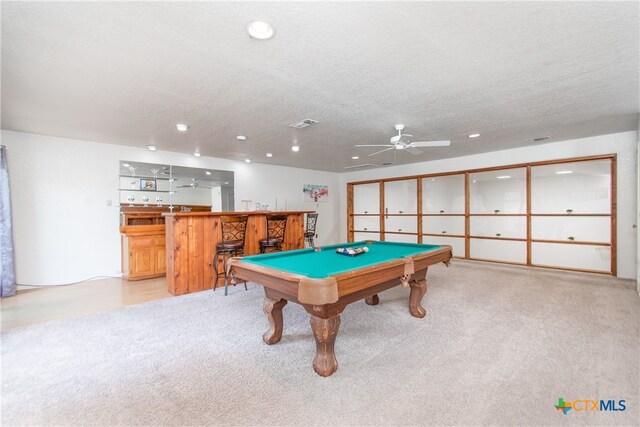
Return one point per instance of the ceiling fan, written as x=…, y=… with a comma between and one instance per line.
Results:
x=402, y=141
x=193, y=184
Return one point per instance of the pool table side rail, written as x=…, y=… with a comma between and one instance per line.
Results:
x=347, y=283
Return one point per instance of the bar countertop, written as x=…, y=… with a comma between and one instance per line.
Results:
x=235, y=213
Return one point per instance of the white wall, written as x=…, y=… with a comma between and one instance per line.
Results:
x=624, y=144
x=65, y=230
x=64, y=199
x=637, y=223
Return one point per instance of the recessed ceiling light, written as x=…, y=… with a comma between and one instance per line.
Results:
x=503, y=176
x=208, y=172
x=152, y=147
x=197, y=154
x=269, y=154
x=182, y=127
x=295, y=148
x=474, y=135
x=241, y=138
x=355, y=157
x=563, y=172
x=247, y=160
x=260, y=30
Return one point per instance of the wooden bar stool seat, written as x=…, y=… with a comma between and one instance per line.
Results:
x=230, y=245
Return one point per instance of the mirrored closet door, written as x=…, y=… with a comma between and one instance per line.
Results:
x=555, y=214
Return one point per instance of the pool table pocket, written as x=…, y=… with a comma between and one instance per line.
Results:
x=318, y=291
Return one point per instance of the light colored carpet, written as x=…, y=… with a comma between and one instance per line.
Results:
x=499, y=345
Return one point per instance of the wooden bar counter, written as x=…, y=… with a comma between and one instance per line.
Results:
x=191, y=239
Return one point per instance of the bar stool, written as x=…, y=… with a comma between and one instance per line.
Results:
x=232, y=244
x=310, y=230
x=276, y=227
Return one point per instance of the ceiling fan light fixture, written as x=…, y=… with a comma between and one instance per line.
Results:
x=197, y=154
x=295, y=148
x=269, y=154
x=182, y=127
x=260, y=30
x=247, y=160
x=152, y=147
x=402, y=141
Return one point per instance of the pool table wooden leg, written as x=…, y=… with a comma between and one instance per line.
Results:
x=372, y=300
x=273, y=309
x=325, y=331
x=418, y=289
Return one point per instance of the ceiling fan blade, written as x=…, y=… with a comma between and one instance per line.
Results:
x=382, y=151
x=377, y=145
x=412, y=150
x=445, y=143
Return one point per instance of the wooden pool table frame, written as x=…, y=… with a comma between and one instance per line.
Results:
x=364, y=283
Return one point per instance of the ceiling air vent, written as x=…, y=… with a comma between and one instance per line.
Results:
x=542, y=138
x=360, y=166
x=303, y=123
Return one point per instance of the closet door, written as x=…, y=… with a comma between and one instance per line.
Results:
x=401, y=211
x=498, y=215
x=366, y=199
x=443, y=212
x=366, y=212
x=571, y=217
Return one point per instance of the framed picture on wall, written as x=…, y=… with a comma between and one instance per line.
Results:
x=315, y=193
x=148, y=184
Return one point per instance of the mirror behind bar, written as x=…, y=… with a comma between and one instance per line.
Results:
x=159, y=187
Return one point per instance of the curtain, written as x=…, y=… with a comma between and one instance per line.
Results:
x=7, y=259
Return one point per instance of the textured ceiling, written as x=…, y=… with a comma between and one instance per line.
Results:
x=127, y=72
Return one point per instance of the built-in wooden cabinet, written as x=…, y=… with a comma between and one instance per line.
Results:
x=143, y=251
x=142, y=231
x=557, y=214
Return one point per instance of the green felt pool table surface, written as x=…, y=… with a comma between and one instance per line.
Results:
x=326, y=262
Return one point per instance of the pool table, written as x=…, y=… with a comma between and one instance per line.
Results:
x=325, y=282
